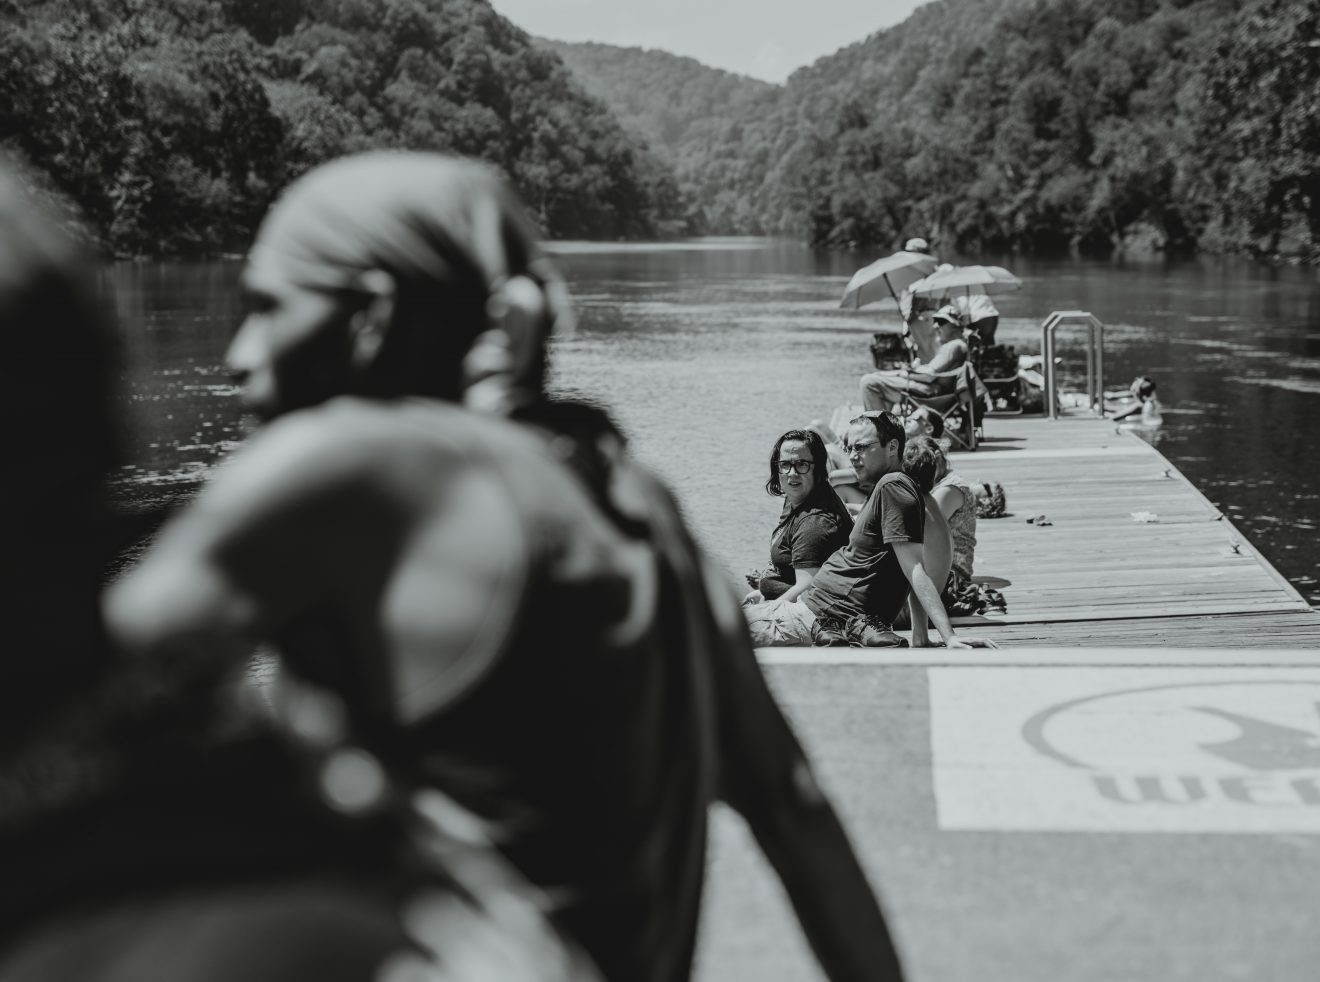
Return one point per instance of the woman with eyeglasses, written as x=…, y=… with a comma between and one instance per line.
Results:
x=814, y=521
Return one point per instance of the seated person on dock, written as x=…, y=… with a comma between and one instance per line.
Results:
x=1140, y=399
x=937, y=556
x=923, y=421
x=859, y=591
x=883, y=390
x=924, y=460
x=499, y=595
x=980, y=314
x=920, y=422
x=813, y=523
x=842, y=477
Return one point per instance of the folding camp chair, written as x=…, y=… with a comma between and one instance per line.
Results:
x=962, y=409
x=997, y=366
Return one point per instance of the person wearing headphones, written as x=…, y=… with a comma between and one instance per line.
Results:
x=501, y=602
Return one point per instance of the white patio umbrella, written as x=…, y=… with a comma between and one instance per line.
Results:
x=886, y=278
x=990, y=280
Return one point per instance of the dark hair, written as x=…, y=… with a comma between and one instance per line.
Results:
x=819, y=457
x=921, y=461
x=1143, y=387
x=935, y=419
x=887, y=427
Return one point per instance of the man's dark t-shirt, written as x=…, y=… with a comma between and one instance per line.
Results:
x=864, y=576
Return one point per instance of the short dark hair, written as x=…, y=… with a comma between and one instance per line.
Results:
x=935, y=419
x=887, y=426
x=921, y=460
x=820, y=459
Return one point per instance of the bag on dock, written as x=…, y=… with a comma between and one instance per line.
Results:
x=990, y=499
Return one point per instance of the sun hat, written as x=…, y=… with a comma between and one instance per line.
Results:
x=916, y=245
x=946, y=313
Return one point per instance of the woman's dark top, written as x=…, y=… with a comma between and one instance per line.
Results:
x=805, y=537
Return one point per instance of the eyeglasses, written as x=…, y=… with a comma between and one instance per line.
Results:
x=857, y=449
x=798, y=466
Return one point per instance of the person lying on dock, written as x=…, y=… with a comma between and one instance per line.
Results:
x=155, y=821
x=505, y=603
x=859, y=591
x=813, y=522
x=884, y=389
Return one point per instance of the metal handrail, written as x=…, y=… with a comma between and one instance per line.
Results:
x=1095, y=358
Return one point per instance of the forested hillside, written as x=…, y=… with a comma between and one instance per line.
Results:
x=172, y=123
x=693, y=116
x=1019, y=124
x=1024, y=124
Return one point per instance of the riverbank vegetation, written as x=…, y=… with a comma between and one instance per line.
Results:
x=172, y=123
x=1095, y=125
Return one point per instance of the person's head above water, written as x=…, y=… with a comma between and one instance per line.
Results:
x=390, y=273
x=1143, y=387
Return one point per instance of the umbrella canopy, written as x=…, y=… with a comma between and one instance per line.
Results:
x=989, y=280
x=886, y=278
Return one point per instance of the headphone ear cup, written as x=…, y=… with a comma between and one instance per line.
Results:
x=518, y=306
x=369, y=325
x=488, y=372
x=519, y=311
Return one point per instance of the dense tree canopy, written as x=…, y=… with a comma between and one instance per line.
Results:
x=172, y=123
x=1022, y=124
x=1019, y=124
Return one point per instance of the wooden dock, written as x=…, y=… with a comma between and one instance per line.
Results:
x=1134, y=554
x=1128, y=788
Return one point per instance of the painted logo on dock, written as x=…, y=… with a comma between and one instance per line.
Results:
x=1155, y=750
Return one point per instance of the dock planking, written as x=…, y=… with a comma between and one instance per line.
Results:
x=1159, y=579
x=1181, y=603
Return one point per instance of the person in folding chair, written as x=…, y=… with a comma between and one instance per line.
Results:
x=939, y=376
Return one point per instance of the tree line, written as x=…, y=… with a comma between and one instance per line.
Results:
x=171, y=124
x=1031, y=125
x=1009, y=124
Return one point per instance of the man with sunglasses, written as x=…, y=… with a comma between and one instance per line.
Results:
x=860, y=589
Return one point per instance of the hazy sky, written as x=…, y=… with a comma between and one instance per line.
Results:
x=762, y=38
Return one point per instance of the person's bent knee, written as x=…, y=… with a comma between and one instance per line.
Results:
x=780, y=623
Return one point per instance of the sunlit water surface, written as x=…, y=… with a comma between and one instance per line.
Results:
x=706, y=351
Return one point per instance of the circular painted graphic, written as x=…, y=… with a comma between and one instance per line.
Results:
x=1228, y=728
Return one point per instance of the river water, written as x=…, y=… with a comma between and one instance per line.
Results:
x=706, y=351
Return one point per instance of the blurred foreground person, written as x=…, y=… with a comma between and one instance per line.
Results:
x=505, y=603
x=155, y=823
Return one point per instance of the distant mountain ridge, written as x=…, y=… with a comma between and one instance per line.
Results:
x=1008, y=124
x=1020, y=124
x=680, y=107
